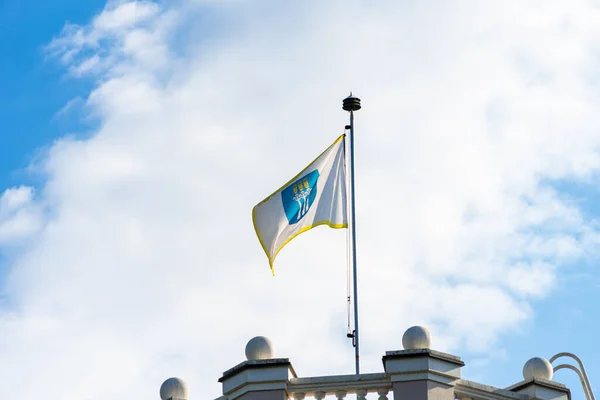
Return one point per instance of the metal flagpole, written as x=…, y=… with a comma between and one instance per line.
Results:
x=352, y=104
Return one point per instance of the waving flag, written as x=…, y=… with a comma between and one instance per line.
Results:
x=316, y=196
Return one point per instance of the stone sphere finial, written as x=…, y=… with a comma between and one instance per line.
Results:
x=259, y=348
x=173, y=388
x=416, y=337
x=538, y=367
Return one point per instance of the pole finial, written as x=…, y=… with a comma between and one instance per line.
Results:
x=351, y=103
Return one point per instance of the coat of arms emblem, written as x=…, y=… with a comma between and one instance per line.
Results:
x=299, y=196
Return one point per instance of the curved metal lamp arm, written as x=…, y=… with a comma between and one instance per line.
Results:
x=582, y=375
x=588, y=395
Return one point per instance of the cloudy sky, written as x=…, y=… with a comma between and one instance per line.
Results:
x=137, y=136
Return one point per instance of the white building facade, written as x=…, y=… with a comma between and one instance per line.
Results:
x=415, y=373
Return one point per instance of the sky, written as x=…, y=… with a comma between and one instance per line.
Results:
x=138, y=135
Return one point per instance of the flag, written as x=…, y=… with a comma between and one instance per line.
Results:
x=316, y=196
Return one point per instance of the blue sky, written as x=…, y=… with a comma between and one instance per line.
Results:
x=119, y=212
x=33, y=89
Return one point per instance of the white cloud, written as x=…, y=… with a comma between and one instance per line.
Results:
x=124, y=31
x=147, y=265
x=15, y=198
x=20, y=216
x=122, y=15
x=68, y=107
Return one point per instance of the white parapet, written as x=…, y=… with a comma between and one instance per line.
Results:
x=416, y=373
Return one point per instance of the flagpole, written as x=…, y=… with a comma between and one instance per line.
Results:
x=352, y=104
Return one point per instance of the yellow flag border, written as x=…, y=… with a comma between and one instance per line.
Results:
x=306, y=228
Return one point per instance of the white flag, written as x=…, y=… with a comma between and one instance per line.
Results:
x=316, y=196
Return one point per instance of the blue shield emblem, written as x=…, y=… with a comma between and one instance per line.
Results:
x=299, y=196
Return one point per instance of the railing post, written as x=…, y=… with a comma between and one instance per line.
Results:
x=418, y=373
x=261, y=377
x=538, y=383
x=383, y=394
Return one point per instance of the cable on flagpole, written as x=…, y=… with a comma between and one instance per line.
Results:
x=349, y=333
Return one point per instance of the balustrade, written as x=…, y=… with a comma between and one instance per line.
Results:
x=361, y=394
x=341, y=386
